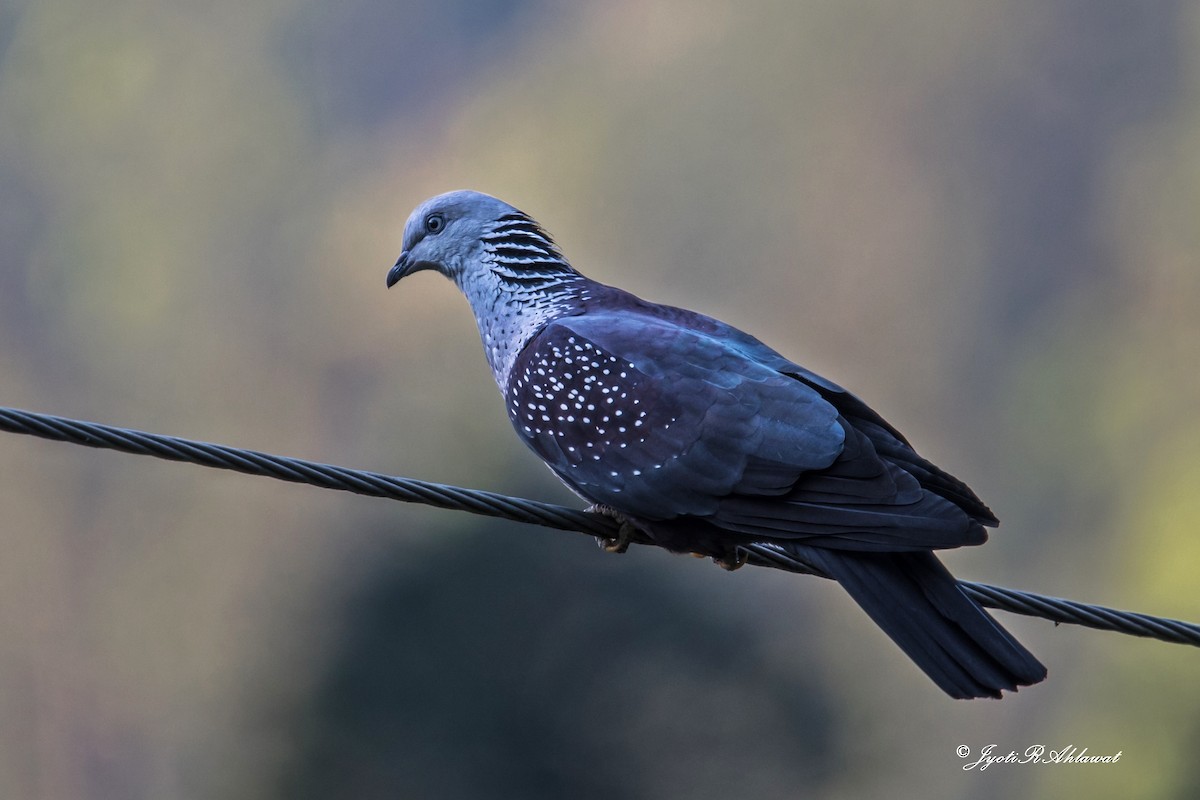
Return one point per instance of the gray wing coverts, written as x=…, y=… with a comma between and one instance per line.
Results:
x=719, y=427
x=701, y=421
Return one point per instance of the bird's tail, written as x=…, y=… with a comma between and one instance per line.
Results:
x=918, y=603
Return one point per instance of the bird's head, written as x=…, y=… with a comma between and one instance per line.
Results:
x=464, y=231
x=509, y=269
x=446, y=232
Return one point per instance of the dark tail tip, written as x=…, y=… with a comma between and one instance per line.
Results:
x=918, y=603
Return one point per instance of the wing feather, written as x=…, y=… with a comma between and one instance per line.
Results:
x=667, y=422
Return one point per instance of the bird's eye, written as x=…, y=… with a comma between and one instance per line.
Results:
x=434, y=223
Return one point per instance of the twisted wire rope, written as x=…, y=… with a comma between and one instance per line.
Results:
x=410, y=490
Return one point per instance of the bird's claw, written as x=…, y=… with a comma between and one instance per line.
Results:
x=731, y=560
x=735, y=559
x=619, y=544
x=626, y=532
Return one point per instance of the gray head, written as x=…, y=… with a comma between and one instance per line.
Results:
x=457, y=233
x=510, y=270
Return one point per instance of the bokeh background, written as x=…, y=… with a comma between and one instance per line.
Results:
x=982, y=216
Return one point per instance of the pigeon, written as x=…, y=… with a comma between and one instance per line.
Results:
x=701, y=438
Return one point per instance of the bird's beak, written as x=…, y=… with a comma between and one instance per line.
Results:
x=399, y=270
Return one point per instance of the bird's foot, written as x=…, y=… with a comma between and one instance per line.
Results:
x=626, y=533
x=730, y=560
x=734, y=559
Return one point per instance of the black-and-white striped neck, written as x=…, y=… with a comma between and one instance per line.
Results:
x=525, y=282
x=521, y=254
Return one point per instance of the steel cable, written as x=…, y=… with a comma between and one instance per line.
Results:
x=375, y=484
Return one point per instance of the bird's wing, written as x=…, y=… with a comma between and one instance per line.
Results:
x=662, y=420
x=886, y=439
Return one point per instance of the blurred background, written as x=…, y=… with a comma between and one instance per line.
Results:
x=981, y=216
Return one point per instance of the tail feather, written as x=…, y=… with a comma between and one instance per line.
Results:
x=919, y=604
